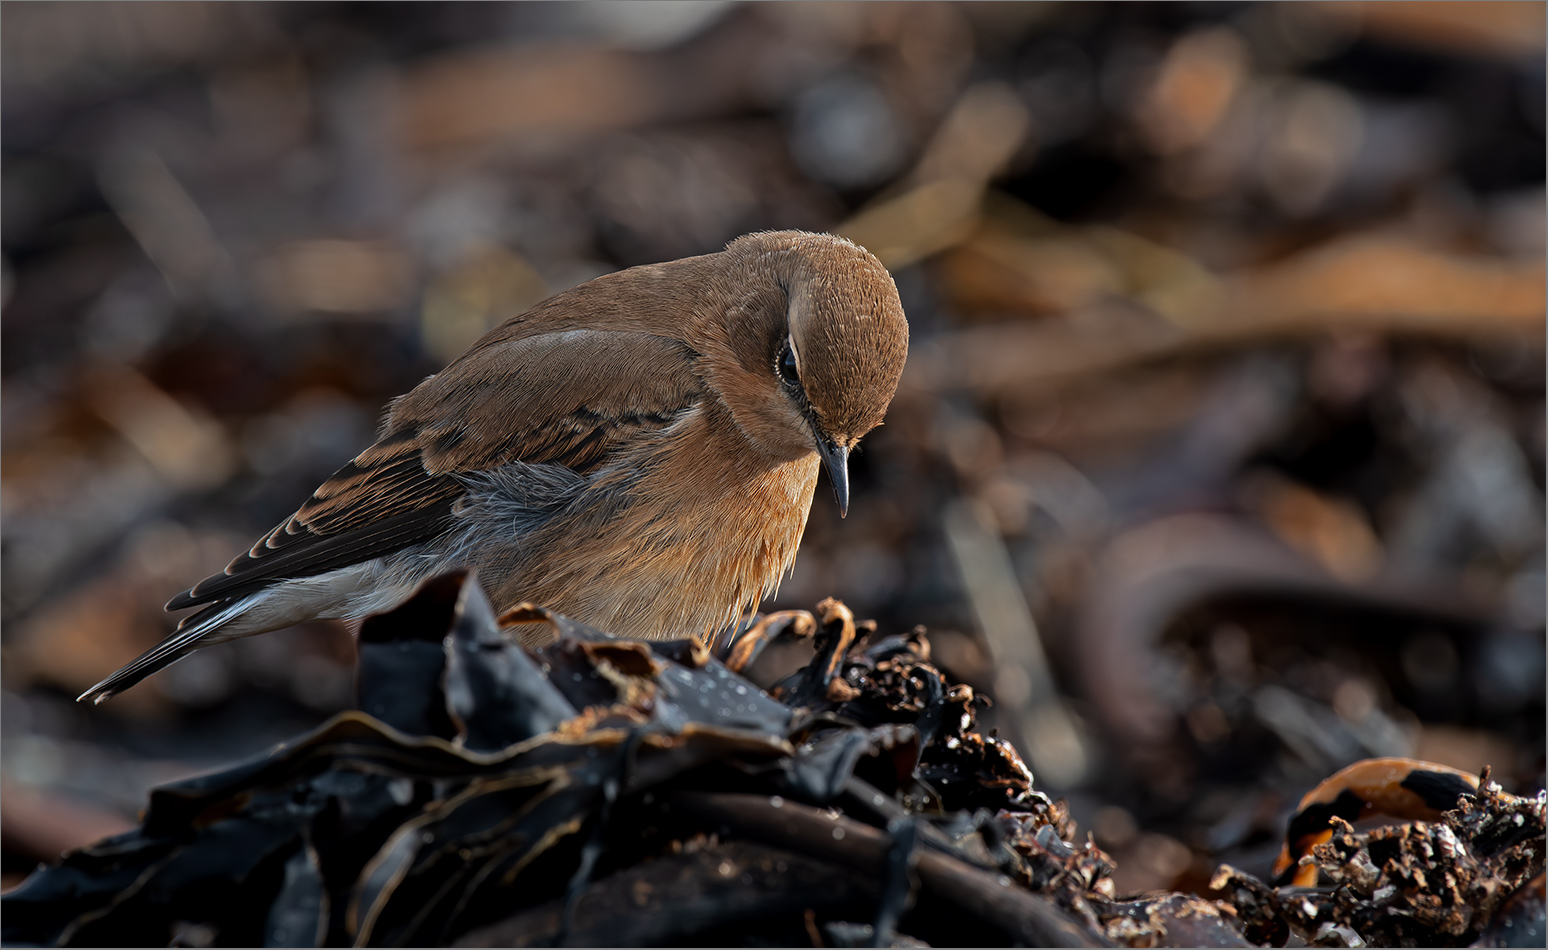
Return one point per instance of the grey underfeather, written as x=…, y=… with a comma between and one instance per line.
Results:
x=507, y=504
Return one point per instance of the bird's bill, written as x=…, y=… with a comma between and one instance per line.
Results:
x=835, y=458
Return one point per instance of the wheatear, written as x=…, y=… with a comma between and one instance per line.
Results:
x=639, y=453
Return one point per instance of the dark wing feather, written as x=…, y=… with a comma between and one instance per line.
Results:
x=572, y=398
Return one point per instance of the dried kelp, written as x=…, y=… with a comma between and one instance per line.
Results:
x=482, y=781
x=601, y=791
x=1468, y=879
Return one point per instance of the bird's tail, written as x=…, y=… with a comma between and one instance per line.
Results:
x=188, y=637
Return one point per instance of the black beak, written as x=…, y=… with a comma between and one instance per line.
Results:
x=835, y=458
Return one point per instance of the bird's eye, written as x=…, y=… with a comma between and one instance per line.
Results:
x=787, y=366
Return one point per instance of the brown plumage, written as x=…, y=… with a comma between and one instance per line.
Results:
x=639, y=452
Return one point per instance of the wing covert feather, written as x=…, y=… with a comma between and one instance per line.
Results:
x=571, y=398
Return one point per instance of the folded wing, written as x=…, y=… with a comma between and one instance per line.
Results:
x=570, y=398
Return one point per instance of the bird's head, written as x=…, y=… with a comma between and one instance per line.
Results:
x=818, y=339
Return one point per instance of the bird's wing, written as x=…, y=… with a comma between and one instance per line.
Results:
x=568, y=398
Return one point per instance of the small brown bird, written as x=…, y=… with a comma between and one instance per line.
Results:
x=639, y=453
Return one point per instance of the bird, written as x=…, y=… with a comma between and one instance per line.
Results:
x=639, y=453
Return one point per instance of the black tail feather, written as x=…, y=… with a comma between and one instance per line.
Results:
x=188, y=637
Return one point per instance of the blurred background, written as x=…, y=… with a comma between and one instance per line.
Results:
x=1218, y=461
